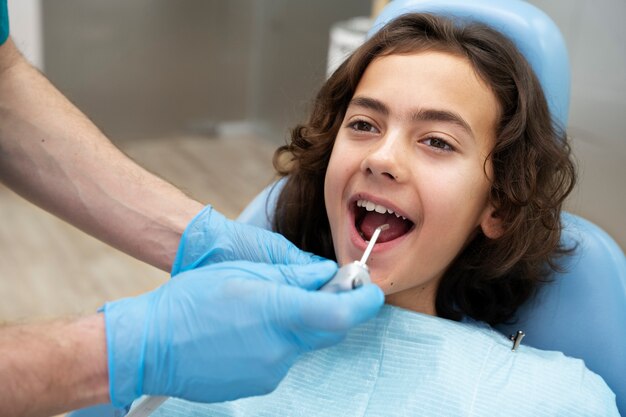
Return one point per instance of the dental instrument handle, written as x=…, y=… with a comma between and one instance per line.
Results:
x=372, y=242
x=354, y=274
x=348, y=277
x=146, y=406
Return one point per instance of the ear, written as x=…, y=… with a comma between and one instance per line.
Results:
x=491, y=223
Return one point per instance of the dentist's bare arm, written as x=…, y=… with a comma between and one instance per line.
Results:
x=50, y=368
x=54, y=156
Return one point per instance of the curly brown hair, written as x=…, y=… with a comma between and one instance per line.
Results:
x=532, y=168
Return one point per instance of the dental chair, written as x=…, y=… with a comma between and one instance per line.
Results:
x=582, y=312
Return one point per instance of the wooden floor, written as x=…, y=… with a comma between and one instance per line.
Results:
x=48, y=268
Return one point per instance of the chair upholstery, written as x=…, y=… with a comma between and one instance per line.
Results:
x=582, y=312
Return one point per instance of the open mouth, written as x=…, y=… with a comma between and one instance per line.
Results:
x=368, y=216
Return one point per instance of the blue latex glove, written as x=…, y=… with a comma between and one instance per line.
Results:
x=227, y=331
x=210, y=237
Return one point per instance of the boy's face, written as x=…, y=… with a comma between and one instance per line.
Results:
x=414, y=140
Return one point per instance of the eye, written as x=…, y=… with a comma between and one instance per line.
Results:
x=362, y=126
x=439, y=144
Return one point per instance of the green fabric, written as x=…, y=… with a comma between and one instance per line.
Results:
x=4, y=21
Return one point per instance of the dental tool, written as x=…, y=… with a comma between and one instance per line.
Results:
x=353, y=275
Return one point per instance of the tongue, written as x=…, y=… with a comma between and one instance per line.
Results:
x=372, y=219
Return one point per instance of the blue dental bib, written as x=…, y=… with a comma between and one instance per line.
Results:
x=408, y=364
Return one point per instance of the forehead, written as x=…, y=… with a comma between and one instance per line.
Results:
x=431, y=80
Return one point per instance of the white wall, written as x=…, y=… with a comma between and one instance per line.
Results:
x=596, y=38
x=26, y=30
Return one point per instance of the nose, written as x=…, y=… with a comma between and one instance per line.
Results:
x=385, y=159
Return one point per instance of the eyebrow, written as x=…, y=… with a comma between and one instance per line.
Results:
x=418, y=115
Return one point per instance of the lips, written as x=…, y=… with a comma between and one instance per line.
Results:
x=369, y=213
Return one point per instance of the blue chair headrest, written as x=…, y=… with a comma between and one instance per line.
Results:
x=533, y=32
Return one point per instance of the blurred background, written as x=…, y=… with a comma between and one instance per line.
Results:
x=202, y=92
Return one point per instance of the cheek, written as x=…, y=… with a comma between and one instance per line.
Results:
x=332, y=185
x=341, y=167
x=453, y=207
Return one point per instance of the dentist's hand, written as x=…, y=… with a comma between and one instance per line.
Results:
x=227, y=331
x=210, y=237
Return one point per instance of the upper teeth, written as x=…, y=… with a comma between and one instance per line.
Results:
x=370, y=206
